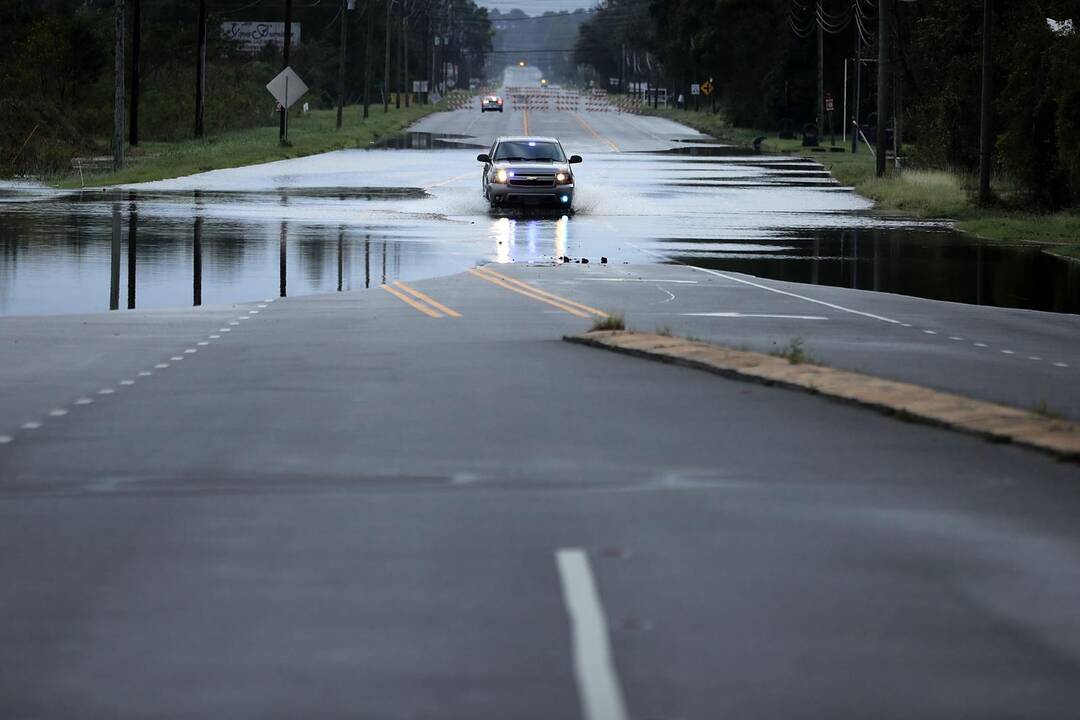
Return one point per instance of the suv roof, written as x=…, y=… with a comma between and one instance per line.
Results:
x=527, y=138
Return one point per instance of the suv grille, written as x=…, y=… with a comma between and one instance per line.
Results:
x=533, y=181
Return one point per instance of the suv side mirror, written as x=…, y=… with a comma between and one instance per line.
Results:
x=483, y=157
x=575, y=159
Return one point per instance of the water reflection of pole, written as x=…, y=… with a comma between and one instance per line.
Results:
x=383, y=262
x=283, y=273
x=877, y=259
x=815, y=269
x=196, y=264
x=855, y=260
x=367, y=261
x=114, y=270
x=133, y=224
x=340, y=247
x=978, y=274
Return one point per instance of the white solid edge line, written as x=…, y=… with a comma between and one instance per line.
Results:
x=774, y=290
x=755, y=315
x=598, y=685
x=797, y=296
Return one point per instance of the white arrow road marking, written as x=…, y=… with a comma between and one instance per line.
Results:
x=598, y=685
x=755, y=315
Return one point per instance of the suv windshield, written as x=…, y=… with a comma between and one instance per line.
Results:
x=530, y=150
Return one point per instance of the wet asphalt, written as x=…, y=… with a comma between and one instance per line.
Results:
x=349, y=505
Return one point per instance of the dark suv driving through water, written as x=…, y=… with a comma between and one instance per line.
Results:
x=528, y=171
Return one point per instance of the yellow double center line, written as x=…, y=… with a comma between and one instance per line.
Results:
x=598, y=136
x=529, y=291
x=419, y=301
x=525, y=119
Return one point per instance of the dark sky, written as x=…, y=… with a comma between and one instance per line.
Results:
x=536, y=7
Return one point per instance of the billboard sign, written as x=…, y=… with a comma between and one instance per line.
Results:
x=254, y=36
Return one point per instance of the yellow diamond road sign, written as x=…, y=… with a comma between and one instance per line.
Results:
x=707, y=87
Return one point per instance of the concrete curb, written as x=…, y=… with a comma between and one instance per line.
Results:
x=997, y=423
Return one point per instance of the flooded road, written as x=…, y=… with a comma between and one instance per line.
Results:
x=412, y=209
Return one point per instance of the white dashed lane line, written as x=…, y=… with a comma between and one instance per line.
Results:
x=106, y=391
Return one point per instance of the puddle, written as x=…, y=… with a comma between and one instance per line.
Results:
x=425, y=141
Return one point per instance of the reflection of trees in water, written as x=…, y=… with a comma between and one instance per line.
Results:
x=937, y=265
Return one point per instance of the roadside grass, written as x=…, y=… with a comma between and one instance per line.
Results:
x=795, y=353
x=309, y=134
x=1041, y=408
x=943, y=194
x=614, y=321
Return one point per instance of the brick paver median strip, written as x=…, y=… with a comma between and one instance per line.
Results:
x=992, y=421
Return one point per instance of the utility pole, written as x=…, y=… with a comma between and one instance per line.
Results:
x=341, y=61
x=818, y=20
x=136, y=47
x=118, y=89
x=200, y=75
x=857, y=100
x=986, y=118
x=401, y=60
x=405, y=58
x=285, y=63
x=386, y=60
x=369, y=17
x=884, y=100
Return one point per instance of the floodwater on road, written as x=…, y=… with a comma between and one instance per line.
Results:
x=413, y=209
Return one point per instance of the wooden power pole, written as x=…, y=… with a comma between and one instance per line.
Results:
x=369, y=37
x=136, y=48
x=118, y=88
x=986, y=139
x=819, y=21
x=405, y=57
x=285, y=63
x=200, y=75
x=884, y=100
x=341, y=61
x=386, y=60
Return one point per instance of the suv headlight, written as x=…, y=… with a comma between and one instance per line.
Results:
x=501, y=176
x=563, y=178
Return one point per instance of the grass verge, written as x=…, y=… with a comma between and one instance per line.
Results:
x=923, y=193
x=612, y=322
x=309, y=134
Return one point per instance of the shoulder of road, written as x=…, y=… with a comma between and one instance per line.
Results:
x=992, y=421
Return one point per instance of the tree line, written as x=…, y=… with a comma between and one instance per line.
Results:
x=57, y=68
x=765, y=58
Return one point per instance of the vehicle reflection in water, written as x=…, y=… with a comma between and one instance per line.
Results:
x=545, y=239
